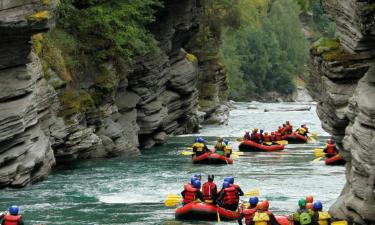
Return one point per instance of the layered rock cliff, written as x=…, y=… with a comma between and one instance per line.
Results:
x=345, y=92
x=47, y=119
x=26, y=155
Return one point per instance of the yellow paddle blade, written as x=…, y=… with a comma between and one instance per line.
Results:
x=234, y=156
x=173, y=196
x=172, y=202
x=317, y=160
x=314, y=135
x=341, y=222
x=218, y=215
x=318, y=152
x=189, y=148
x=238, y=153
x=253, y=192
x=187, y=153
x=282, y=142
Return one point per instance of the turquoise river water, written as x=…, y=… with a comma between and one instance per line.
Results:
x=131, y=191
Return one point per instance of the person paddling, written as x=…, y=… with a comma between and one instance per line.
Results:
x=192, y=192
x=210, y=190
x=228, y=197
x=302, y=216
x=263, y=216
x=320, y=217
x=199, y=147
x=249, y=212
x=13, y=217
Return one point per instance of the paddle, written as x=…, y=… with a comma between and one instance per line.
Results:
x=253, y=192
x=172, y=200
x=318, y=152
x=282, y=142
x=341, y=222
x=313, y=137
x=218, y=215
x=317, y=160
x=187, y=153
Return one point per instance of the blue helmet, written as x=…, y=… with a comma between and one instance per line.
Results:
x=226, y=142
x=198, y=176
x=318, y=206
x=253, y=200
x=231, y=180
x=197, y=184
x=192, y=179
x=227, y=179
x=226, y=184
x=200, y=140
x=261, y=131
x=13, y=210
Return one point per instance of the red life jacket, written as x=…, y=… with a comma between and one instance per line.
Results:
x=267, y=138
x=190, y=192
x=11, y=220
x=231, y=196
x=331, y=149
x=207, y=189
x=278, y=136
x=248, y=214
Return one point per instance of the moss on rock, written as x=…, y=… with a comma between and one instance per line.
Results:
x=39, y=16
x=107, y=79
x=331, y=50
x=75, y=101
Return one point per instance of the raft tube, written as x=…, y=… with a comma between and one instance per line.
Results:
x=335, y=160
x=212, y=158
x=251, y=146
x=295, y=138
x=203, y=211
x=282, y=220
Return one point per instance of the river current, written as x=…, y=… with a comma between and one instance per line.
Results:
x=131, y=191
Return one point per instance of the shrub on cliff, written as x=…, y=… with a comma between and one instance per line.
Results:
x=110, y=29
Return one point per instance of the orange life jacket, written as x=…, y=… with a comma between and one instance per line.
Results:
x=330, y=149
x=267, y=138
x=11, y=219
x=248, y=214
x=208, y=189
x=230, y=196
x=190, y=193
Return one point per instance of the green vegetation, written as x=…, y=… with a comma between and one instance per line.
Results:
x=73, y=101
x=266, y=51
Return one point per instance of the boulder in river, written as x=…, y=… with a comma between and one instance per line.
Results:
x=288, y=109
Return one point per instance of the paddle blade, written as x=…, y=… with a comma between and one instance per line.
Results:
x=189, y=148
x=318, y=152
x=238, y=153
x=254, y=192
x=314, y=135
x=187, y=153
x=172, y=200
x=282, y=142
x=317, y=160
x=341, y=222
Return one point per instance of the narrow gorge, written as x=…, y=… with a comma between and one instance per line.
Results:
x=52, y=116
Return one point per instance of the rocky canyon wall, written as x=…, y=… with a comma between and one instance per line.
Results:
x=346, y=92
x=42, y=121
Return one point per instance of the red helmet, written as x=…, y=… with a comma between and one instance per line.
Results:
x=272, y=133
x=265, y=205
x=309, y=199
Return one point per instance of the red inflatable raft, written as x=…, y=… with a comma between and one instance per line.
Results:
x=251, y=146
x=282, y=220
x=295, y=138
x=202, y=211
x=212, y=158
x=335, y=160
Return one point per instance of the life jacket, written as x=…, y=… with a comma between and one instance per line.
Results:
x=190, y=193
x=305, y=218
x=267, y=138
x=278, y=136
x=261, y=218
x=11, y=219
x=220, y=146
x=231, y=196
x=330, y=149
x=199, y=147
x=302, y=131
x=288, y=129
x=323, y=218
x=237, y=187
x=248, y=214
x=207, y=189
x=228, y=150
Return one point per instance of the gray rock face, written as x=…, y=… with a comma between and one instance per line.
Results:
x=346, y=106
x=26, y=155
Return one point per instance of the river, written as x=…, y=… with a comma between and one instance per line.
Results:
x=131, y=191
